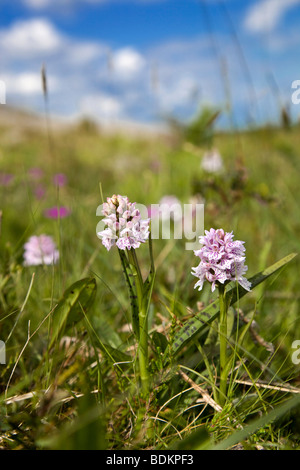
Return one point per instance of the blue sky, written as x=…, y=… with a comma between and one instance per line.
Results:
x=141, y=60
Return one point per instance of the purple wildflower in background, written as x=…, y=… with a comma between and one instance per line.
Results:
x=6, y=179
x=39, y=191
x=222, y=260
x=40, y=250
x=35, y=173
x=125, y=227
x=57, y=212
x=60, y=179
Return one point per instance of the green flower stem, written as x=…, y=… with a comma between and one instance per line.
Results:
x=136, y=273
x=143, y=322
x=143, y=351
x=223, y=344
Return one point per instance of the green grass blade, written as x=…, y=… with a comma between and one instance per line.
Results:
x=257, y=424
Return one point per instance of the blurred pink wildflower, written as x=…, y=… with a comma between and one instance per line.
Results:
x=125, y=227
x=60, y=179
x=57, y=212
x=6, y=179
x=35, y=173
x=40, y=250
x=39, y=191
x=222, y=260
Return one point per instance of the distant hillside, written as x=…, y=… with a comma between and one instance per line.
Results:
x=24, y=119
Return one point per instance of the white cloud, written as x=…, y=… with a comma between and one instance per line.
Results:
x=126, y=63
x=89, y=77
x=80, y=53
x=80, y=80
x=101, y=106
x=178, y=93
x=186, y=72
x=45, y=4
x=28, y=83
x=30, y=38
x=37, y=40
x=37, y=4
x=266, y=14
x=279, y=43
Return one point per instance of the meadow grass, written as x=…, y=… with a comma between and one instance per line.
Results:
x=74, y=386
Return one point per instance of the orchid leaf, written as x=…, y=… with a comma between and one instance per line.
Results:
x=77, y=299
